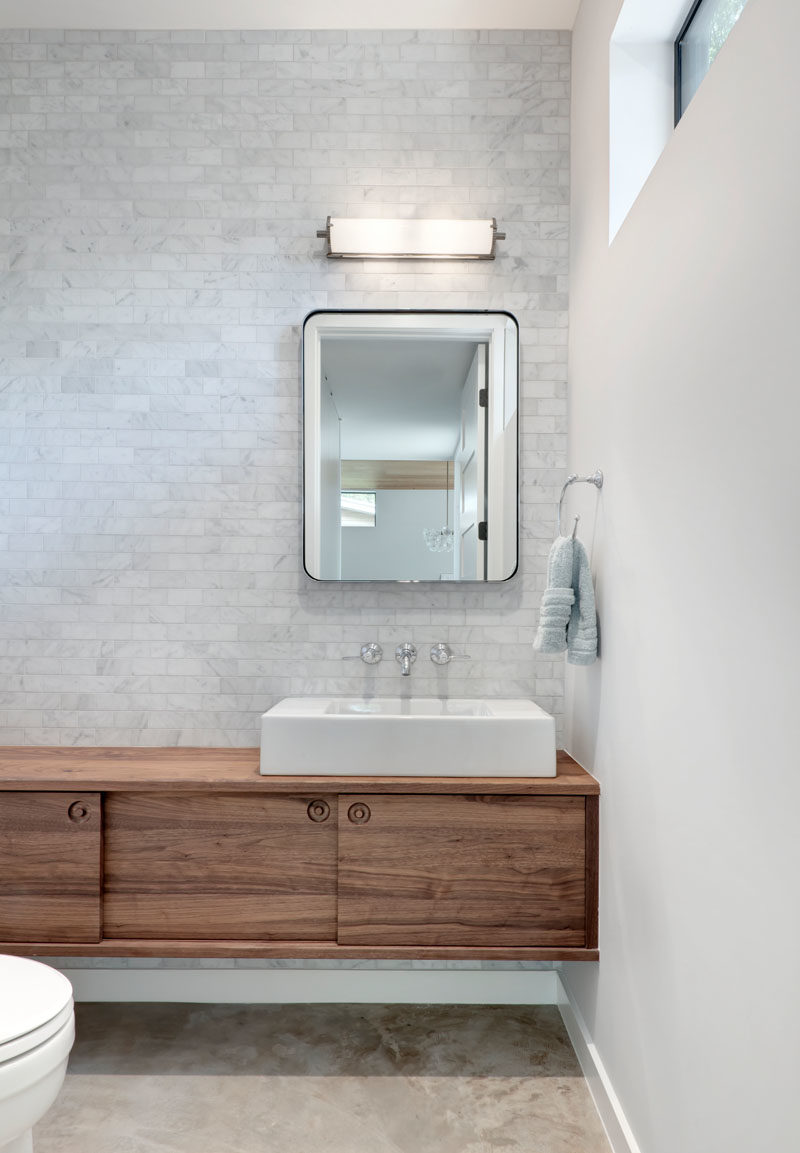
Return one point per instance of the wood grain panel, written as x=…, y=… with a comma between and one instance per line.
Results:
x=592, y=870
x=50, y=855
x=461, y=870
x=397, y=474
x=219, y=867
x=212, y=770
x=301, y=950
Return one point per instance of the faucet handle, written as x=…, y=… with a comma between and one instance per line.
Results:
x=370, y=654
x=442, y=654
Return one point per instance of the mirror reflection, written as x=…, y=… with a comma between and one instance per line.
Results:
x=410, y=424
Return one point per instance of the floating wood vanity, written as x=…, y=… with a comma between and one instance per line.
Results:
x=192, y=853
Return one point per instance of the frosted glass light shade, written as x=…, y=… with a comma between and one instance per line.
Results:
x=439, y=539
x=411, y=239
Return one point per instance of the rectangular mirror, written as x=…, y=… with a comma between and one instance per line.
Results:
x=410, y=443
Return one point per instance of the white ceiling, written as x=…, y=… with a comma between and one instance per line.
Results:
x=256, y=14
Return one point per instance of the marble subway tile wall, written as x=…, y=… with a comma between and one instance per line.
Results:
x=159, y=199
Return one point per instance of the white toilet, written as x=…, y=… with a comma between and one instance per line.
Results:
x=37, y=1028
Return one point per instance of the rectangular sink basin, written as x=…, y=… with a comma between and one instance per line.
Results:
x=394, y=736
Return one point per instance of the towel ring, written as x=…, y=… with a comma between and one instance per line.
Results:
x=596, y=479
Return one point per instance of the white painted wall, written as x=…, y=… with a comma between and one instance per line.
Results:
x=395, y=548
x=641, y=114
x=684, y=370
x=340, y=982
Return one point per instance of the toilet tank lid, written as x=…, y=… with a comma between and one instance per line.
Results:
x=31, y=994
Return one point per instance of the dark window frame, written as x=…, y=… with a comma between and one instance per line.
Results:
x=679, y=48
x=679, y=109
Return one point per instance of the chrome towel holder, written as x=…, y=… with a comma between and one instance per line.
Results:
x=596, y=479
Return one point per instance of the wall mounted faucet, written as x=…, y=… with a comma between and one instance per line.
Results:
x=405, y=655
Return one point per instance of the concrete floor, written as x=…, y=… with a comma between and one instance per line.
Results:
x=160, y=1078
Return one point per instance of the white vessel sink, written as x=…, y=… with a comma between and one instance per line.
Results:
x=395, y=736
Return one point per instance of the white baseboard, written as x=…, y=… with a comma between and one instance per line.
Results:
x=619, y=1133
x=295, y=986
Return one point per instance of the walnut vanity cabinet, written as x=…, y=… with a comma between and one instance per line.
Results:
x=50, y=862
x=219, y=867
x=190, y=852
x=462, y=870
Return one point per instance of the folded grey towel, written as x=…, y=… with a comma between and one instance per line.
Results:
x=582, y=627
x=559, y=596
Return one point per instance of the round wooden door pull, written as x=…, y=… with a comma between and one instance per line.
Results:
x=359, y=814
x=79, y=812
x=319, y=811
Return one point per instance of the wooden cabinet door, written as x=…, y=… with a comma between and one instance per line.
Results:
x=462, y=870
x=50, y=866
x=220, y=867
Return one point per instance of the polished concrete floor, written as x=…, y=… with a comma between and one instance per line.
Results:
x=321, y=1079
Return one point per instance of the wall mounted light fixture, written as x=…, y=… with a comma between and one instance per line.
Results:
x=354, y=239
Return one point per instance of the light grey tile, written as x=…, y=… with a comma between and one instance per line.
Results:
x=375, y=1077
x=158, y=230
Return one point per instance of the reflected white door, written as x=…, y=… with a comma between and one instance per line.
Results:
x=330, y=496
x=470, y=479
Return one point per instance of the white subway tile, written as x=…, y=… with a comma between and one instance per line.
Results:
x=159, y=241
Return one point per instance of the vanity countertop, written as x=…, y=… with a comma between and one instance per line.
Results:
x=116, y=769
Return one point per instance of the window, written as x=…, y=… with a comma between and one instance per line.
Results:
x=358, y=510
x=704, y=32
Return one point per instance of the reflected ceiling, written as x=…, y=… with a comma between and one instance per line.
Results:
x=380, y=387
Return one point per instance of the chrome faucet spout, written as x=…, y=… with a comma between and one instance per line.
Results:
x=405, y=655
